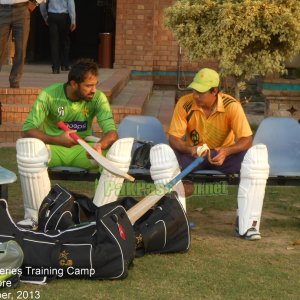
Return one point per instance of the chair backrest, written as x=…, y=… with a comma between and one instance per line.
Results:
x=146, y=128
x=281, y=135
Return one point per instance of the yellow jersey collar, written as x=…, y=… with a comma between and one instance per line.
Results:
x=220, y=106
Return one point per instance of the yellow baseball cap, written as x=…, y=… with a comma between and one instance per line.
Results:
x=204, y=80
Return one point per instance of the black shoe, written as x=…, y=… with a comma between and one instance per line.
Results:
x=14, y=85
x=65, y=68
x=55, y=71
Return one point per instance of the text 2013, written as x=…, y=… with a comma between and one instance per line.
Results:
x=21, y=295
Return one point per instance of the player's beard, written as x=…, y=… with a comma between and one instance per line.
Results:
x=80, y=96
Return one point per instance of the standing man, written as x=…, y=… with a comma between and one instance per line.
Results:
x=60, y=16
x=15, y=19
x=207, y=116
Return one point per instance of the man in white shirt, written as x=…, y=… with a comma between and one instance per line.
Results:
x=60, y=16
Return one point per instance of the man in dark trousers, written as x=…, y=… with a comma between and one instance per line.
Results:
x=15, y=19
x=60, y=16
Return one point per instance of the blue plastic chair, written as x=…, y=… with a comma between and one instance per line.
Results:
x=281, y=135
x=146, y=128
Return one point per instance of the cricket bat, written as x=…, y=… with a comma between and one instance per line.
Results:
x=100, y=159
x=138, y=210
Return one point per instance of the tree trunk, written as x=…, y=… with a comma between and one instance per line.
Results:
x=237, y=92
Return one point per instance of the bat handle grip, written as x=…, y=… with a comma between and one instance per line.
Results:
x=64, y=127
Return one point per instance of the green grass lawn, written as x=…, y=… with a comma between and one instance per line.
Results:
x=218, y=264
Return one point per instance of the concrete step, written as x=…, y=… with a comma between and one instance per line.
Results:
x=114, y=84
x=132, y=99
x=133, y=91
x=161, y=105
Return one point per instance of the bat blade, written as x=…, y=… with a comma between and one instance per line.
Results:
x=104, y=162
x=100, y=159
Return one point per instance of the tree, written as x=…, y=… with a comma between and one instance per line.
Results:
x=247, y=37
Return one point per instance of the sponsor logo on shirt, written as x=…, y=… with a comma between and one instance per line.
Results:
x=78, y=125
x=61, y=111
x=194, y=135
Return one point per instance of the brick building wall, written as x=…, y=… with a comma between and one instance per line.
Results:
x=143, y=44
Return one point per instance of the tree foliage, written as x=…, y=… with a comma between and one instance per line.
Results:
x=246, y=36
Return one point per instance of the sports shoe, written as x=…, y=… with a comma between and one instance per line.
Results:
x=251, y=235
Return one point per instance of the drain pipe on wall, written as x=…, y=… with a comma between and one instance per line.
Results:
x=179, y=71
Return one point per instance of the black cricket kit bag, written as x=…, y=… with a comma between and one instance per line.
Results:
x=62, y=209
x=103, y=249
x=141, y=155
x=163, y=229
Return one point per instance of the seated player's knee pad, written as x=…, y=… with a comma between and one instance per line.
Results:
x=164, y=167
x=253, y=177
x=110, y=185
x=32, y=160
x=164, y=164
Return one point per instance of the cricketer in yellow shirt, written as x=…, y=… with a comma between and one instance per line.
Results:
x=207, y=116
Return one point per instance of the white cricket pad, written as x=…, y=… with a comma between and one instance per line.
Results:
x=164, y=167
x=253, y=177
x=32, y=160
x=110, y=185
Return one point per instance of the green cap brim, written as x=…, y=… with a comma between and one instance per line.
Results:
x=201, y=88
